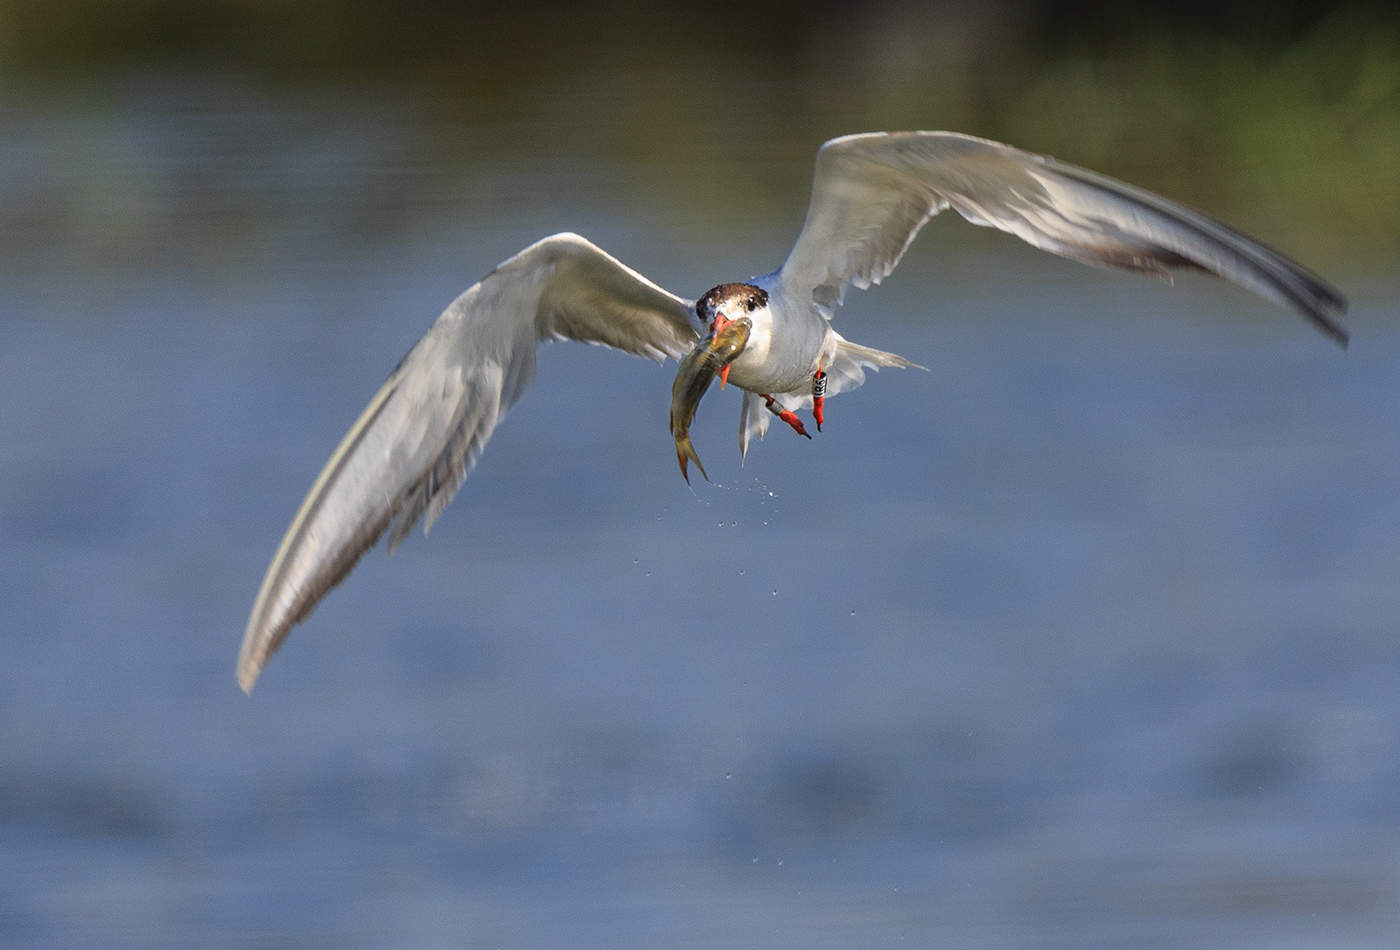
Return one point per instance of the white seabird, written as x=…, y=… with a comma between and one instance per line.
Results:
x=421, y=433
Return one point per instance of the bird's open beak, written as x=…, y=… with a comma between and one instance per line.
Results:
x=711, y=357
x=719, y=323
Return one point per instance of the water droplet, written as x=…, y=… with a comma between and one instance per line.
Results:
x=648, y=572
x=853, y=611
x=741, y=572
x=733, y=524
x=775, y=592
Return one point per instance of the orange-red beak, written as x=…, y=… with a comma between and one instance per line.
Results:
x=717, y=324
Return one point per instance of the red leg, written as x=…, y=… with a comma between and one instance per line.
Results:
x=818, y=396
x=786, y=415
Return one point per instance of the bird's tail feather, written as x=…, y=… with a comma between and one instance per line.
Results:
x=870, y=356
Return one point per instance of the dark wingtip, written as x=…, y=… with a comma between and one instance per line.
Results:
x=1324, y=312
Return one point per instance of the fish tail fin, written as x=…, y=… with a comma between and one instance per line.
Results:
x=685, y=451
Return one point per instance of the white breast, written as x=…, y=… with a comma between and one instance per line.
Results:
x=784, y=347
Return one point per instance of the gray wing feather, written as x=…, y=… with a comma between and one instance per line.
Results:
x=415, y=442
x=872, y=193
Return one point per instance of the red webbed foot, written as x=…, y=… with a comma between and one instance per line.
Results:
x=787, y=415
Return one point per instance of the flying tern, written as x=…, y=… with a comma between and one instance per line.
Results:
x=769, y=336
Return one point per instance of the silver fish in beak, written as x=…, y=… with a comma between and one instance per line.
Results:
x=699, y=368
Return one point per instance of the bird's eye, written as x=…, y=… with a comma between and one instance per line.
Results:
x=751, y=304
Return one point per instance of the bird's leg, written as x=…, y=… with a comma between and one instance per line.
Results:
x=818, y=396
x=786, y=415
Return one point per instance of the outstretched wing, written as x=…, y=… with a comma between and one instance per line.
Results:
x=421, y=433
x=873, y=192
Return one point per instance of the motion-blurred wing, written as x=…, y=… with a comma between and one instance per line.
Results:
x=873, y=192
x=414, y=444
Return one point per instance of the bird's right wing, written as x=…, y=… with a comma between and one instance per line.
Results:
x=872, y=193
x=421, y=433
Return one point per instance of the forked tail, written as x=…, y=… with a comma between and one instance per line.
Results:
x=685, y=451
x=870, y=356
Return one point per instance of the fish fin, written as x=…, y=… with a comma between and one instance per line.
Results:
x=685, y=451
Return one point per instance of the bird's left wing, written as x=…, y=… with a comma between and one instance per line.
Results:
x=872, y=193
x=421, y=433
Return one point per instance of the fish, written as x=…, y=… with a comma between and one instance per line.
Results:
x=697, y=370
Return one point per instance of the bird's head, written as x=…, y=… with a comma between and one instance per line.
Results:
x=728, y=302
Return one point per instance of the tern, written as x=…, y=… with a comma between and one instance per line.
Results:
x=770, y=336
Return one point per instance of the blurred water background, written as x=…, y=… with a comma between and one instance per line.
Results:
x=1084, y=638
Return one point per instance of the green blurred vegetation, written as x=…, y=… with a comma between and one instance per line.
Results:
x=1231, y=104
